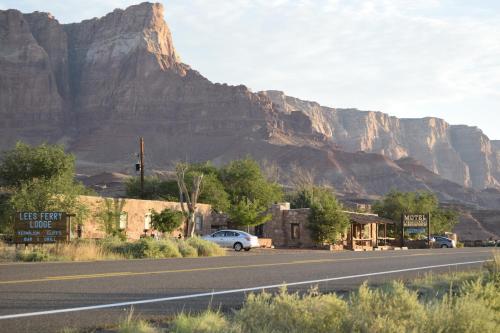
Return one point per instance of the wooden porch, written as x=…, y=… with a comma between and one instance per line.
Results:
x=364, y=231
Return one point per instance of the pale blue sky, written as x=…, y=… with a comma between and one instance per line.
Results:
x=409, y=58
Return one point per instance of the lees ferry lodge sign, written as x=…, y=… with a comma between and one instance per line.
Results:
x=40, y=227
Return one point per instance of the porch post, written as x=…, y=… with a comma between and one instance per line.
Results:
x=385, y=233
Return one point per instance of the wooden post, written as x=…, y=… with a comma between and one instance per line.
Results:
x=141, y=143
x=385, y=233
x=429, y=230
x=352, y=236
x=402, y=231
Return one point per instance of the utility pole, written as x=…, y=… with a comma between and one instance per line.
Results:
x=141, y=143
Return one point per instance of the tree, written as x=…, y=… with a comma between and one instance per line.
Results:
x=327, y=221
x=188, y=197
x=25, y=163
x=248, y=213
x=167, y=220
x=41, y=179
x=213, y=192
x=395, y=203
x=109, y=216
x=250, y=193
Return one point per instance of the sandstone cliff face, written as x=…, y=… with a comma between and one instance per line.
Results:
x=30, y=105
x=459, y=153
x=99, y=84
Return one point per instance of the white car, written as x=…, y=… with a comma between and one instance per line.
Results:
x=235, y=239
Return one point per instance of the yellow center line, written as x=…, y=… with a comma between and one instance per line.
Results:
x=186, y=270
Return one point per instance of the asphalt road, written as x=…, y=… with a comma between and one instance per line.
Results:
x=34, y=291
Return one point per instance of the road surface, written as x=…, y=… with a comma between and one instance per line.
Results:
x=46, y=297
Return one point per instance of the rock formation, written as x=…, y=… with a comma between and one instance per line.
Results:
x=98, y=85
x=461, y=154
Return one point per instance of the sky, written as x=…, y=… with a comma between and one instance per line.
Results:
x=408, y=58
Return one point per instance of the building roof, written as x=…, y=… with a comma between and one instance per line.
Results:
x=364, y=218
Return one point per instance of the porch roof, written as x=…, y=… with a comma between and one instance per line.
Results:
x=364, y=218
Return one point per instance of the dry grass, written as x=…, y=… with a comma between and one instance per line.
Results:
x=110, y=249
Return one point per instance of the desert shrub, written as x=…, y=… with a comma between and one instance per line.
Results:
x=147, y=248
x=291, y=313
x=185, y=249
x=132, y=325
x=205, y=248
x=33, y=254
x=493, y=269
x=385, y=310
x=206, y=322
x=474, y=311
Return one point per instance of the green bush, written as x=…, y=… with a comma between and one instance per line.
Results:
x=385, y=310
x=205, y=248
x=185, y=249
x=33, y=255
x=146, y=248
x=470, y=312
x=132, y=325
x=291, y=313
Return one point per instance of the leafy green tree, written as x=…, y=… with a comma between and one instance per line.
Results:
x=248, y=213
x=212, y=193
x=396, y=203
x=167, y=220
x=25, y=163
x=327, y=221
x=40, y=178
x=250, y=193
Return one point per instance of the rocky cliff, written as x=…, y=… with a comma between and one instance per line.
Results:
x=98, y=85
x=461, y=154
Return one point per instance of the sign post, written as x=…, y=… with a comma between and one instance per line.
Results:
x=40, y=227
x=417, y=223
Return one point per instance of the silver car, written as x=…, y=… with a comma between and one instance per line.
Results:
x=443, y=242
x=235, y=239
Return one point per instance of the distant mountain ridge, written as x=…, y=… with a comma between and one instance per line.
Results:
x=460, y=153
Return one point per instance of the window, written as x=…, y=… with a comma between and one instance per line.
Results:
x=147, y=221
x=123, y=220
x=295, y=231
x=198, y=222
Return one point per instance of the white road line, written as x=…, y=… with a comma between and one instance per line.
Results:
x=225, y=292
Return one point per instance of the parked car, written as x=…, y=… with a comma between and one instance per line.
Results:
x=443, y=242
x=236, y=239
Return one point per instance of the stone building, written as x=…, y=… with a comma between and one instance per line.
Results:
x=289, y=228
x=135, y=216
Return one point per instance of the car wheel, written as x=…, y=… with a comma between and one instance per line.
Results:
x=247, y=249
x=238, y=247
x=444, y=246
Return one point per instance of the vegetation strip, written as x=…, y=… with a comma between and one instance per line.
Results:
x=232, y=291
x=297, y=262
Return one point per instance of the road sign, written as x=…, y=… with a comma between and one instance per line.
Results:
x=40, y=227
x=415, y=220
x=416, y=223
